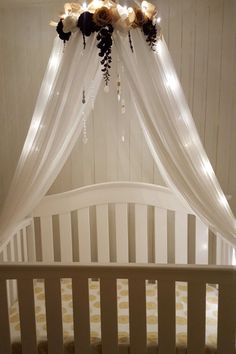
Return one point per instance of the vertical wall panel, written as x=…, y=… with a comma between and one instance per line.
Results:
x=227, y=93
x=213, y=79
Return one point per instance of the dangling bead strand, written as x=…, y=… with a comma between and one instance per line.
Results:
x=85, y=138
x=118, y=88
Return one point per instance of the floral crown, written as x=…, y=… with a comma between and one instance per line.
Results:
x=105, y=16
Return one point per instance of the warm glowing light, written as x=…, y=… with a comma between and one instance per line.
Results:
x=158, y=19
x=171, y=82
x=123, y=11
x=223, y=200
x=144, y=6
x=204, y=246
x=123, y=138
x=207, y=168
x=84, y=6
x=159, y=48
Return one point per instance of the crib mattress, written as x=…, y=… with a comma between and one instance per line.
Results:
x=123, y=317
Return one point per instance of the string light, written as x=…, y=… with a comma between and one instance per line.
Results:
x=207, y=168
x=171, y=82
x=84, y=6
x=223, y=201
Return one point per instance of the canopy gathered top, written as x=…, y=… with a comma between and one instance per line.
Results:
x=92, y=37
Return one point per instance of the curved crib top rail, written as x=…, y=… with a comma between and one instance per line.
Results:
x=118, y=222
x=111, y=192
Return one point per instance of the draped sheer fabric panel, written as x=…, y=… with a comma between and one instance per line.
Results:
x=170, y=132
x=55, y=127
x=157, y=101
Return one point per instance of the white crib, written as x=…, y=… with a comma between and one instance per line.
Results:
x=98, y=237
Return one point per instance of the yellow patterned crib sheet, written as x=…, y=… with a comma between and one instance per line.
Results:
x=123, y=315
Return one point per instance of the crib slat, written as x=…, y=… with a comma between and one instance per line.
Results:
x=27, y=316
x=12, y=283
x=202, y=244
x=181, y=238
x=31, y=243
x=81, y=315
x=25, y=245
x=65, y=237
x=103, y=243
x=6, y=259
x=141, y=239
x=196, y=317
x=160, y=217
x=166, y=316
x=54, y=316
x=226, y=318
x=109, y=316
x=137, y=316
x=5, y=340
x=122, y=242
x=19, y=247
x=171, y=236
x=84, y=235
x=47, y=238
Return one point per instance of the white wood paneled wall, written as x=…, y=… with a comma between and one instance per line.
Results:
x=201, y=38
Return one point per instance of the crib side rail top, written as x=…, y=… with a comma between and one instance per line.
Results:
x=124, y=222
x=165, y=278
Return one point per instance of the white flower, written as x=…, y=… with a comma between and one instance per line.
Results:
x=70, y=24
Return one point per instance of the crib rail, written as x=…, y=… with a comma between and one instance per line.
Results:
x=124, y=222
x=166, y=275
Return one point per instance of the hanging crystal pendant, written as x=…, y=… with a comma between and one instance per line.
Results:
x=85, y=137
x=118, y=87
x=123, y=106
x=83, y=98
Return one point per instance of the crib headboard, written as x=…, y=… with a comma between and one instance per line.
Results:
x=121, y=222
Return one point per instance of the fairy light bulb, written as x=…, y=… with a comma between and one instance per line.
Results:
x=84, y=6
x=158, y=19
x=207, y=168
x=223, y=201
x=171, y=81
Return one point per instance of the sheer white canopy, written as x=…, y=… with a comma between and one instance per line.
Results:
x=159, y=104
